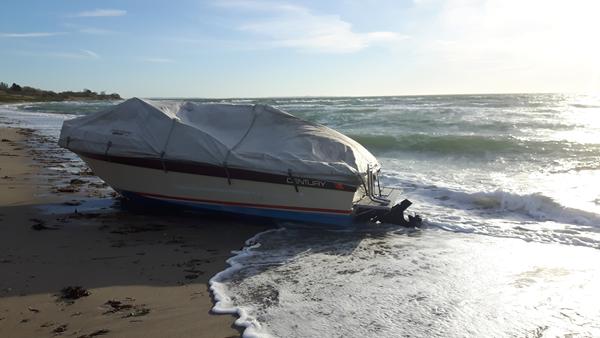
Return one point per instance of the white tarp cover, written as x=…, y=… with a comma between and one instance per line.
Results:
x=254, y=137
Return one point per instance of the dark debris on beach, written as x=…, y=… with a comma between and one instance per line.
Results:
x=39, y=225
x=116, y=306
x=74, y=292
x=126, y=310
x=60, y=329
x=95, y=333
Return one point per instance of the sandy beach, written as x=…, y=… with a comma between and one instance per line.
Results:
x=74, y=263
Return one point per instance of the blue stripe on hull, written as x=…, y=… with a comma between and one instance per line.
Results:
x=301, y=216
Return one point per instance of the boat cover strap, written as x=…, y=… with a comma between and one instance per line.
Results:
x=162, y=154
x=242, y=138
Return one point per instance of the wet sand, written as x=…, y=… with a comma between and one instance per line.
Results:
x=141, y=275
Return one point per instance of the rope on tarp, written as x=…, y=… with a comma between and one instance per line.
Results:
x=108, y=145
x=227, y=173
x=254, y=114
x=163, y=152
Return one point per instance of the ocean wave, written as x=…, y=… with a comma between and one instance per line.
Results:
x=577, y=166
x=534, y=206
x=471, y=144
x=530, y=217
x=581, y=105
x=66, y=107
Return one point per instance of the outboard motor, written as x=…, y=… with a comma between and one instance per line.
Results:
x=396, y=216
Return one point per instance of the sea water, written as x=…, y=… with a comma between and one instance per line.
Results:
x=508, y=185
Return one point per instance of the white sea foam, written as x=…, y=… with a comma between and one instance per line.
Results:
x=306, y=283
x=45, y=123
x=220, y=291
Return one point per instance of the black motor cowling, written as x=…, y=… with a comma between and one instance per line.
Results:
x=396, y=216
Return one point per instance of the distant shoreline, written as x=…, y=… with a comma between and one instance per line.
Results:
x=24, y=94
x=9, y=100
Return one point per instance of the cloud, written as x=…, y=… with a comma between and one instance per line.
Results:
x=101, y=13
x=96, y=31
x=85, y=29
x=30, y=35
x=90, y=53
x=81, y=54
x=158, y=60
x=297, y=27
x=253, y=5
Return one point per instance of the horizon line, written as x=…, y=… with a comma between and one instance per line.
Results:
x=353, y=96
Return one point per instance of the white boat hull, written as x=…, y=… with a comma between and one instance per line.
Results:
x=285, y=201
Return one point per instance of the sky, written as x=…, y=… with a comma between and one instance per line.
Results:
x=252, y=48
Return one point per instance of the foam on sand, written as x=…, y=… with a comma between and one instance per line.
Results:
x=220, y=290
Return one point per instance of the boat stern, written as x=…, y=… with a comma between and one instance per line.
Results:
x=389, y=208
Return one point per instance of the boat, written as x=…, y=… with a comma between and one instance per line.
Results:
x=247, y=159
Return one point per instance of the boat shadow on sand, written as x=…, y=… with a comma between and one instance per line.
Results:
x=103, y=243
